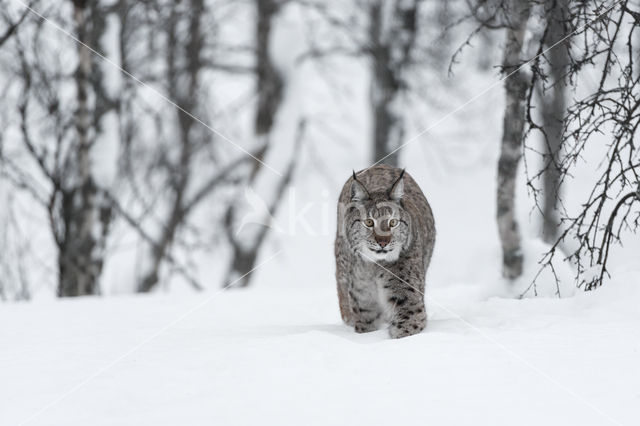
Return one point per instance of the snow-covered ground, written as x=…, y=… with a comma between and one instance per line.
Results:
x=279, y=355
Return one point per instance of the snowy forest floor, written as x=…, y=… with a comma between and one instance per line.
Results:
x=274, y=355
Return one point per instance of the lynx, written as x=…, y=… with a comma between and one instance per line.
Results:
x=385, y=238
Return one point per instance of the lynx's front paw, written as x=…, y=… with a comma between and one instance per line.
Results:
x=364, y=327
x=407, y=328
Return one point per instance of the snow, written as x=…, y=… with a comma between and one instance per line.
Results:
x=288, y=42
x=113, y=76
x=280, y=355
x=104, y=155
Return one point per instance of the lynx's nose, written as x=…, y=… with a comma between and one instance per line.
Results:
x=383, y=240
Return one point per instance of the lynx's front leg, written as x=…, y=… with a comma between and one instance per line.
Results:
x=365, y=307
x=409, y=315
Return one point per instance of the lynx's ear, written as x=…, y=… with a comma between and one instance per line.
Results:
x=397, y=189
x=358, y=191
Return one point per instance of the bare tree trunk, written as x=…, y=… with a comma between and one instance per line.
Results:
x=269, y=80
x=85, y=213
x=516, y=87
x=553, y=118
x=392, y=36
x=270, y=86
x=246, y=250
x=187, y=99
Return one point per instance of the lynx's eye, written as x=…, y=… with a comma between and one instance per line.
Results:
x=368, y=223
x=393, y=223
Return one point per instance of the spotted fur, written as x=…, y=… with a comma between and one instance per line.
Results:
x=385, y=238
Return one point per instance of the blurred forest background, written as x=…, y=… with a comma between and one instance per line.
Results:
x=146, y=144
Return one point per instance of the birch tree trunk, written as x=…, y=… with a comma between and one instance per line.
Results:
x=554, y=109
x=392, y=34
x=183, y=88
x=84, y=212
x=265, y=184
x=516, y=87
x=388, y=129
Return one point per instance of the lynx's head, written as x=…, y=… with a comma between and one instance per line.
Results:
x=377, y=225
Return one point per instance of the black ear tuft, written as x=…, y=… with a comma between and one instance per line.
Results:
x=358, y=191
